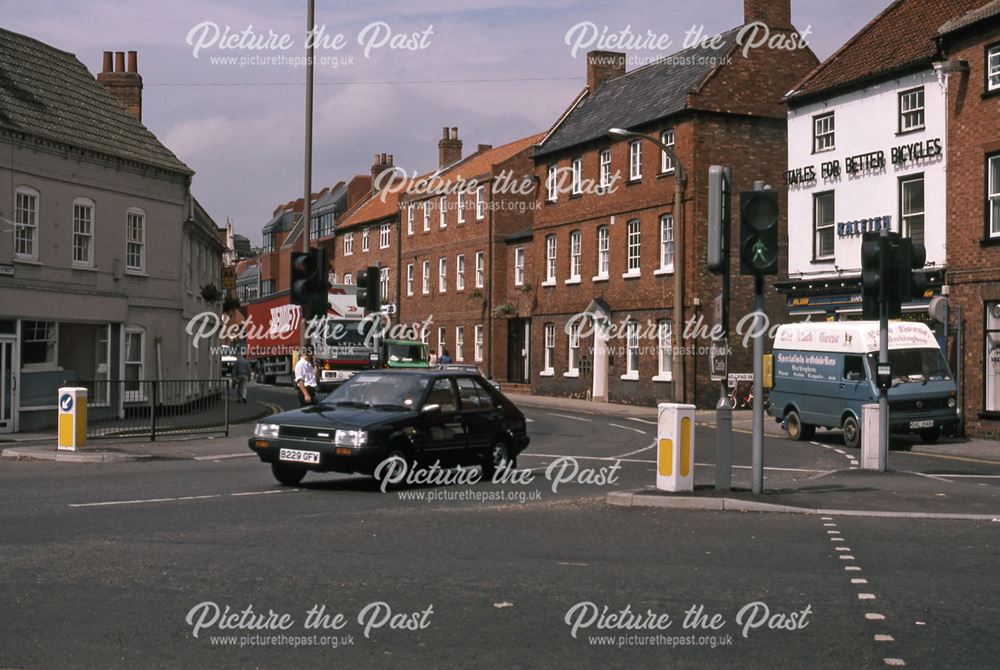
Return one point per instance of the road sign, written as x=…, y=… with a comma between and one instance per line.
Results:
x=229, y=277
x=720, y=360
x=388, y=309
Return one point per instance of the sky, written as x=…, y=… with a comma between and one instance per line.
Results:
x=395, y=72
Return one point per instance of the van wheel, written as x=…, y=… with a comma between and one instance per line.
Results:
x=289, y=475
x=796, y=429
x=930, y=436
x=852, y=432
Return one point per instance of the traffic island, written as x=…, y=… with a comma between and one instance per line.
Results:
x=843, y=493
x=52, y=453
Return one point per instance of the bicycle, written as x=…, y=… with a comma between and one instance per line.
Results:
x=741, y=395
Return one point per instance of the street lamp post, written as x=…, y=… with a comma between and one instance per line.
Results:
x=680, y=184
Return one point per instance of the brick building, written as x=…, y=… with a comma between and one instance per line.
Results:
x=970, y=43
x=454, y=264
x=605, y=232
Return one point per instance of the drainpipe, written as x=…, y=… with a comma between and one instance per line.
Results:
x=680, y=186
x=489, y=289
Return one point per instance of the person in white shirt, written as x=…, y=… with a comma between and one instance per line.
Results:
x=305, y=379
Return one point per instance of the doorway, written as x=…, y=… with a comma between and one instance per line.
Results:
x=8, y=385
x=518, y=337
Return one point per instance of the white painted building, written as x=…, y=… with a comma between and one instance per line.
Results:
x=858, y=160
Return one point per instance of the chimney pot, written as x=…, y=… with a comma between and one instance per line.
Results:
x=449, y=147
x=444, y=133
x=454, y=132
x=133, y=62
x=119, y=61
x=389, y=160
x=108, y=62
x=602, y=66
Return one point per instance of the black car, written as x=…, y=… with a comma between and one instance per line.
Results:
x=422, y=417
x=467, y=367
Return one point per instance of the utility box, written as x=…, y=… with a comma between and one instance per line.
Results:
x=869, y=437
x=675, y=448
x=72, y=418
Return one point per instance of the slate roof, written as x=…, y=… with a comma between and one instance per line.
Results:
x=641, y=96
x=987, y=11
x=901, y=38
x=48, y=93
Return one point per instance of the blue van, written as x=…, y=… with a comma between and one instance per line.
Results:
x=822, y=373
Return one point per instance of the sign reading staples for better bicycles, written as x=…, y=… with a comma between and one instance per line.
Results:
x=719, y=360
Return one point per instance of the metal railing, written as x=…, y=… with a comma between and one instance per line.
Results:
x=156, y=408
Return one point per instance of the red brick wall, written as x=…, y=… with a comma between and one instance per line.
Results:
x=973, y=259
x=359, y=260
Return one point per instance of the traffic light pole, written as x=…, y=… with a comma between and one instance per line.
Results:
x=883, y=353
x=759, y=321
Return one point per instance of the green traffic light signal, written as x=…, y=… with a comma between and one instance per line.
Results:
x=759, y=214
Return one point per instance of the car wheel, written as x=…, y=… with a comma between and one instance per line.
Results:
x=383, y=470
x=796, y=429
x=498, y=458
x=852, y=432
x=930, y=436
x=289, y=475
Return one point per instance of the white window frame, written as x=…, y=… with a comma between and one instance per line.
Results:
x=551, y=250
x=552, y=184
x=425, y=285
x=26, y=223
x=668, y=137
x=427, y=216
x=480, y=269
x=667, y=245
x=991, y=371
x=818, y=229
x=130, y=213
x=906, y=218
x=134, y=396
x=549, y=333
x=409, y=279
x=631, y=351
x=604, y=171
x=477, y=343
x=480, y=203
x=384, y=235
x=993, y=194
x=912, y=114
x=51, y=339
x=349, y=244
x=85, y=237
x=459, y=343
x=633, y=248
x=603, y=252
x=366, y=239
x=442, y=275
x=348, y=278
x=824, y=134
x=443, y=211
x=575, y=256
x=460, y=204
x=577, y=184
x=442, y=340
x=383, y=284
x=635, y=160
x=409, y=219
x=993, y=68
x=460, y=272
x=573, y=349
x=664, y=351
x=519, y=266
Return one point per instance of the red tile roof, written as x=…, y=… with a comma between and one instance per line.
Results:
x=902, y=36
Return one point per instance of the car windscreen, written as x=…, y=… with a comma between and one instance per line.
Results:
x=405, y=353
x=346, y=332
x=915, y=365
x=379, y=391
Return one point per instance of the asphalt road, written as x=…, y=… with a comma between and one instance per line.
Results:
x=104, y=566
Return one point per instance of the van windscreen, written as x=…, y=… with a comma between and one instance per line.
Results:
x=915, y=365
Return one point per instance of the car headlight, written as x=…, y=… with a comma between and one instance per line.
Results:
x=350, y=438
x=266, y=430
x=951, y=403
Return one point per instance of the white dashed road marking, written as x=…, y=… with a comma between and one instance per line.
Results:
x=146, y=501
x=634, y=430
x=571, y=418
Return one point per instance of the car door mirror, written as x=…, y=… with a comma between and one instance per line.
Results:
x=431, y=409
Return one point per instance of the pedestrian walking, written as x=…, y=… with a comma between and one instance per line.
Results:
x=241, y=373
x=445, y=358
x=305, y=379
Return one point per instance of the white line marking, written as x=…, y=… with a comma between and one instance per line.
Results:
x=866, y=596
x=830, y=525
x=961, y=476
x=836, y=539
x=894, y=662
x=833, y=532
x=571, y=418
x=651, y=423
x=846, y=557
x=841, y=548
x=634, y=430
x=529, y=420
x=582, y=565
x=884, y=638
x=140, y=502
x=634, y=460
x=223, y=457
x=859, y=580
x=826, y=518
x=940, y=479
x=852, y=568
x=874, y=616
x=638, y=451
x=261, y=493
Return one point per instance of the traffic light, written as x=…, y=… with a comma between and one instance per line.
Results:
x=759, y=233
x=368, y=290
x=872, y=273
x=910, y=282
x=719, y=180
x=308, y=285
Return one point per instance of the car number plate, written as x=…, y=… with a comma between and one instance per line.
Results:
x=297, y=456
x=922, y=424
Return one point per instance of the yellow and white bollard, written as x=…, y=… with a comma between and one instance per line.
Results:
x=675, y=448
x=72, y=418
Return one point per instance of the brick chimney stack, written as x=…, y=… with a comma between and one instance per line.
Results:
x=124, y=83
x=449, y=147
x=773, y=13
x=381, y=163
x=603, y=65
